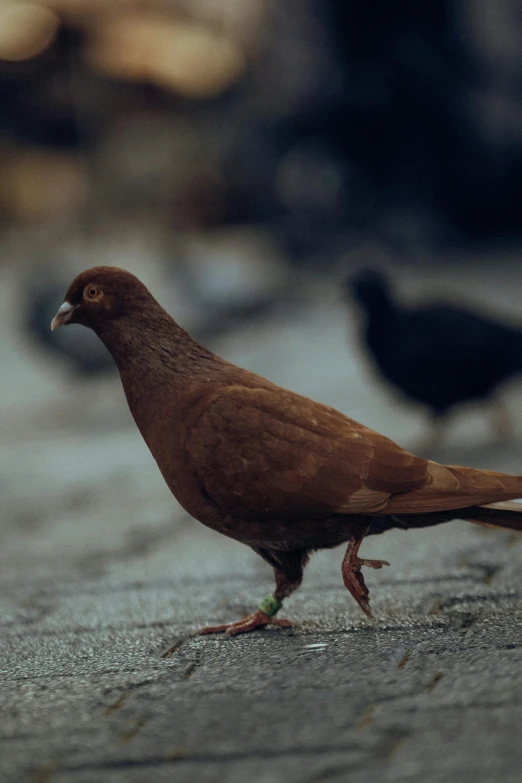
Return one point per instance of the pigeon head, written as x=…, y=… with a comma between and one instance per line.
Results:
x=100, y=295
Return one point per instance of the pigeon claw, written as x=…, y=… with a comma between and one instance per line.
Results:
x=353, y=578
x=257, y=619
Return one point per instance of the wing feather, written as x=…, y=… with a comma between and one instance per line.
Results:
x=453, y=487
x=268, y=453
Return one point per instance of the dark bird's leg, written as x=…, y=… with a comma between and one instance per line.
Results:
x=433, y=438
x=351, y=571
x=502, y=422
x=288, y=570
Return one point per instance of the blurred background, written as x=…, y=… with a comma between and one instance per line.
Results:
x=245, y=158
x=242, y=157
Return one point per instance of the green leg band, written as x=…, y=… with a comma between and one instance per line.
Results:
x=270, y=605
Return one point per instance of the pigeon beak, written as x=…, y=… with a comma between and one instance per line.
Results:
x=63, y=316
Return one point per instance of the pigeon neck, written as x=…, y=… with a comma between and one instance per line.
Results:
x=152, y=350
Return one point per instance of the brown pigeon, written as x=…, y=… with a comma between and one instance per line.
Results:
x=261, y=464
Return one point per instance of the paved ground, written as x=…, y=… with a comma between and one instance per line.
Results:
x=102, y=577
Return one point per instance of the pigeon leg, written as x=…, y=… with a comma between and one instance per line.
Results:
x=352, y=576
x=288, y=570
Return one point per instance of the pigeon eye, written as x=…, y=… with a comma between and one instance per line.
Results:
x=92, y=292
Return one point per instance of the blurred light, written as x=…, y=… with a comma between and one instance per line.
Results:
x=37, y=185
x=241, y=19
x=181, y=56
x=25, y=30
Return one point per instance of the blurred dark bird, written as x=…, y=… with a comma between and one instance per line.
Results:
x=79, y=351
x=261, y=464
x=437, y=354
